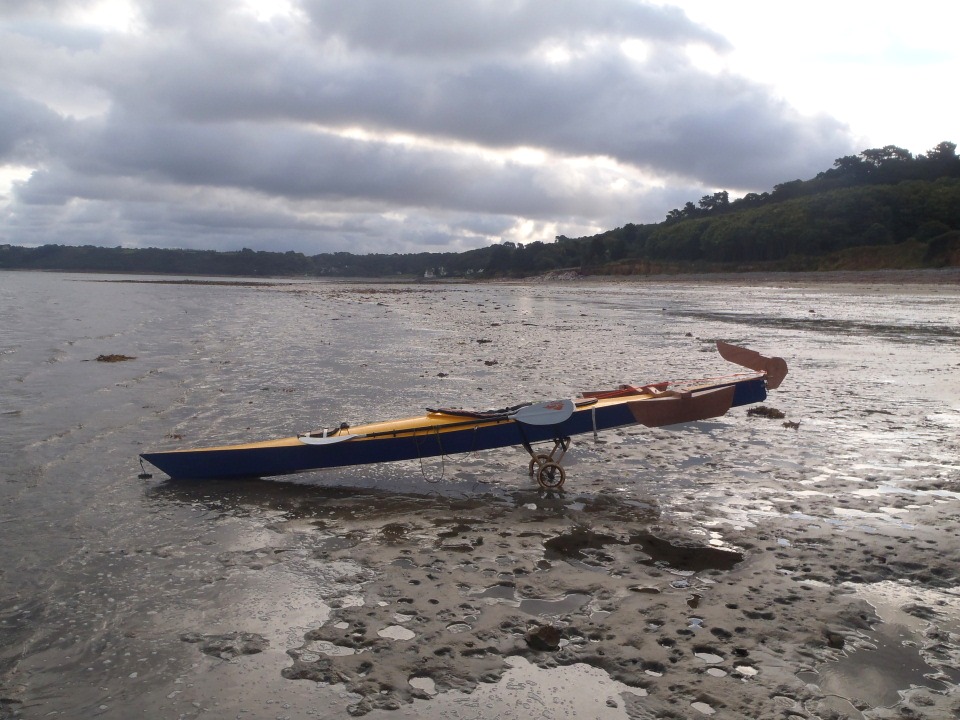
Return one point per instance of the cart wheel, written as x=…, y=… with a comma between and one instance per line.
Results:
x=537, y=461
x=551, y=476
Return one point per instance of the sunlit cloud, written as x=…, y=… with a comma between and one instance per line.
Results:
x=112, y=16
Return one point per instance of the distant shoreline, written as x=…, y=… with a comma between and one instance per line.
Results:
x=920, y=276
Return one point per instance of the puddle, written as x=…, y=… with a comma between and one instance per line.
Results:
x=424, y=684
x=396, y=632
x=879, y=673
x=323, y=647
x=527, y=691
x=702, y=708
x=709, y=658
x=567, y=604
x=335, y=542
x=582, y=543
x=507, y=592
x=500, y=591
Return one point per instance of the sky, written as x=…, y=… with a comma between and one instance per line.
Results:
x=440, y=125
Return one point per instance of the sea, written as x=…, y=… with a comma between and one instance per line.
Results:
x=108, y=569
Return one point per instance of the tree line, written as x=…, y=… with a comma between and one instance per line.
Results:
x=887, y=165
x=904, y=209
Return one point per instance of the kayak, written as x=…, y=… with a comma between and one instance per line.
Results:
x=447, y=431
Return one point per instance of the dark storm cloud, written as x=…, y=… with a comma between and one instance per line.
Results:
x=207, y=103
x=300, y=164
x=432, y=28
x=25, y=125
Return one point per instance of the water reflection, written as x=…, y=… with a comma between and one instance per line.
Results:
x=877, y=671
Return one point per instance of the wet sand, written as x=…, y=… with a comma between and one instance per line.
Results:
x=748, y=567
x=939, y=276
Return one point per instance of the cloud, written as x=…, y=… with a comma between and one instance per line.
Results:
x=390, y=124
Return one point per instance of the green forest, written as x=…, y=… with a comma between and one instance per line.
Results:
x=883, y=208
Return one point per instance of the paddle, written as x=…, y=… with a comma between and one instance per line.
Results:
x=552, y=412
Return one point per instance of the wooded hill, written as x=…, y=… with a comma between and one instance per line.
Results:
x=883, y=208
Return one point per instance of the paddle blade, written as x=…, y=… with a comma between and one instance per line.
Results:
x=552, y=412
x=775, y=367
x=308, y=440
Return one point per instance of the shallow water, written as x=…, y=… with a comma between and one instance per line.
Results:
x=101, y=574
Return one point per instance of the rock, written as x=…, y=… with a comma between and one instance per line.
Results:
x=544, y=637
x=228, y=646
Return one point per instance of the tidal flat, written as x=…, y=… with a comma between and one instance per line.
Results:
x=750, y=566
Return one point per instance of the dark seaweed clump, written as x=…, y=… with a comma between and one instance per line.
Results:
x=767, y=412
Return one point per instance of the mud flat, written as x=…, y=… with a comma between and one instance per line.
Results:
x=752, y=566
